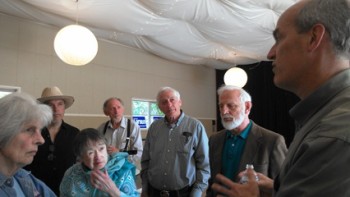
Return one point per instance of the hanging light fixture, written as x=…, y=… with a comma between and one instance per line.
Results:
x=76, y=45
x=235, y=76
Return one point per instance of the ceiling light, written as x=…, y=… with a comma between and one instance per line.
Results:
x=76, y=45
x=235, y=76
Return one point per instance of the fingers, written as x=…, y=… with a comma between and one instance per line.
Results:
x=251, y=174
x=220, y=189
x=265, y=183
x=105, y=172
x=98, y=180
x=96, y=177
x=224, y=185
x=222, y=179
x=95, y=182
x=101, y=180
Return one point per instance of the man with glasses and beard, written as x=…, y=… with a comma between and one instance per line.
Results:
x=242, y=141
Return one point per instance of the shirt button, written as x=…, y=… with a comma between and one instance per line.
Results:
x=168, y=151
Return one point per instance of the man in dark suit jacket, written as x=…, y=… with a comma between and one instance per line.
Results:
x=242, y=141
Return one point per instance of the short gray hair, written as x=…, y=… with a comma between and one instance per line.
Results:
x=164, y=89
x=18, y=109
x=334, y=15
x=244, y=95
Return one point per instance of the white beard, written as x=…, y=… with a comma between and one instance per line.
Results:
x=235, y=121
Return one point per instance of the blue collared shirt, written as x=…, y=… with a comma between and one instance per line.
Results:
x=31, y=186
x=175, y=156
x=233, y=150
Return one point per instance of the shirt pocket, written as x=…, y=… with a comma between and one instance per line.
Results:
x=184, y=144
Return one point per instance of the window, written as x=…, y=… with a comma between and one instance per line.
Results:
x=144, y=112
x=5, y=90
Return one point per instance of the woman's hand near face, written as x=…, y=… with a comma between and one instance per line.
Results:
x=103, y=182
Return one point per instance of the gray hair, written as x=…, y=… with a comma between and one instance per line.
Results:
x=334, y=15
x=81, y=141
x=244, y=95
x=18, y=109
x=110, y=99
x=164, y=89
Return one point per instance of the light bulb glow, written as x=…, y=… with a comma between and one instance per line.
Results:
x=235, y=76
x=76, y=45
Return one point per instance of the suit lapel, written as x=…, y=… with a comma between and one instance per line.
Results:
x=251, y=147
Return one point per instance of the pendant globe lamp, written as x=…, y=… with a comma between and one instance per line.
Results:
x=235, y=76
x=75, y=45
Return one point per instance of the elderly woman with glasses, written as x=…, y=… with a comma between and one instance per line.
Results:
x=97, y=173
x=21, y=121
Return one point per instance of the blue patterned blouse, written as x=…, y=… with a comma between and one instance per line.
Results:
x=76, y=180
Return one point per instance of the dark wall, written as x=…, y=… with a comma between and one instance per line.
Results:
x=270, y=104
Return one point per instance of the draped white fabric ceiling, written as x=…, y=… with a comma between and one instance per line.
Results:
x=215, y=33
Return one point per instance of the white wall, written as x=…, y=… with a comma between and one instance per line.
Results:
x=28, y=60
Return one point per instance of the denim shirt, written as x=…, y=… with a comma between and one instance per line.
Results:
x=31, y=186
x=176, y=156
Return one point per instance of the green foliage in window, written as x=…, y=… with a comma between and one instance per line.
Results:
x=148, y=109
x=155, y=111
x=140, y=107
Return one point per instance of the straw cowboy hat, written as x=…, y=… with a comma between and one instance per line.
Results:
x=51, y=93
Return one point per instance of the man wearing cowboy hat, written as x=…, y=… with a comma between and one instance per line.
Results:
x=56, y=155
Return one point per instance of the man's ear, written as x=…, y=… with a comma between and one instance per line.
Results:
x=248, y=106
x=317, y=34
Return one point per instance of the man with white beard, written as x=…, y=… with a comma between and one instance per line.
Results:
x=242, y=141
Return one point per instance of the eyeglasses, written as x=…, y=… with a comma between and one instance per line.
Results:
x=51, y=156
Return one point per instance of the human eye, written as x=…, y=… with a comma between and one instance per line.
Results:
x=232, y=106
x=90, y=153
x=164, y=102
x=276, y=35
x=31, y=129
x=173, y=99
x=102, y=148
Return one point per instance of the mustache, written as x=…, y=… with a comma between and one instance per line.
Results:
x=226, y=116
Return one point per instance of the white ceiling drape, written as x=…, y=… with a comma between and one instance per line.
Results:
x=215, y=33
